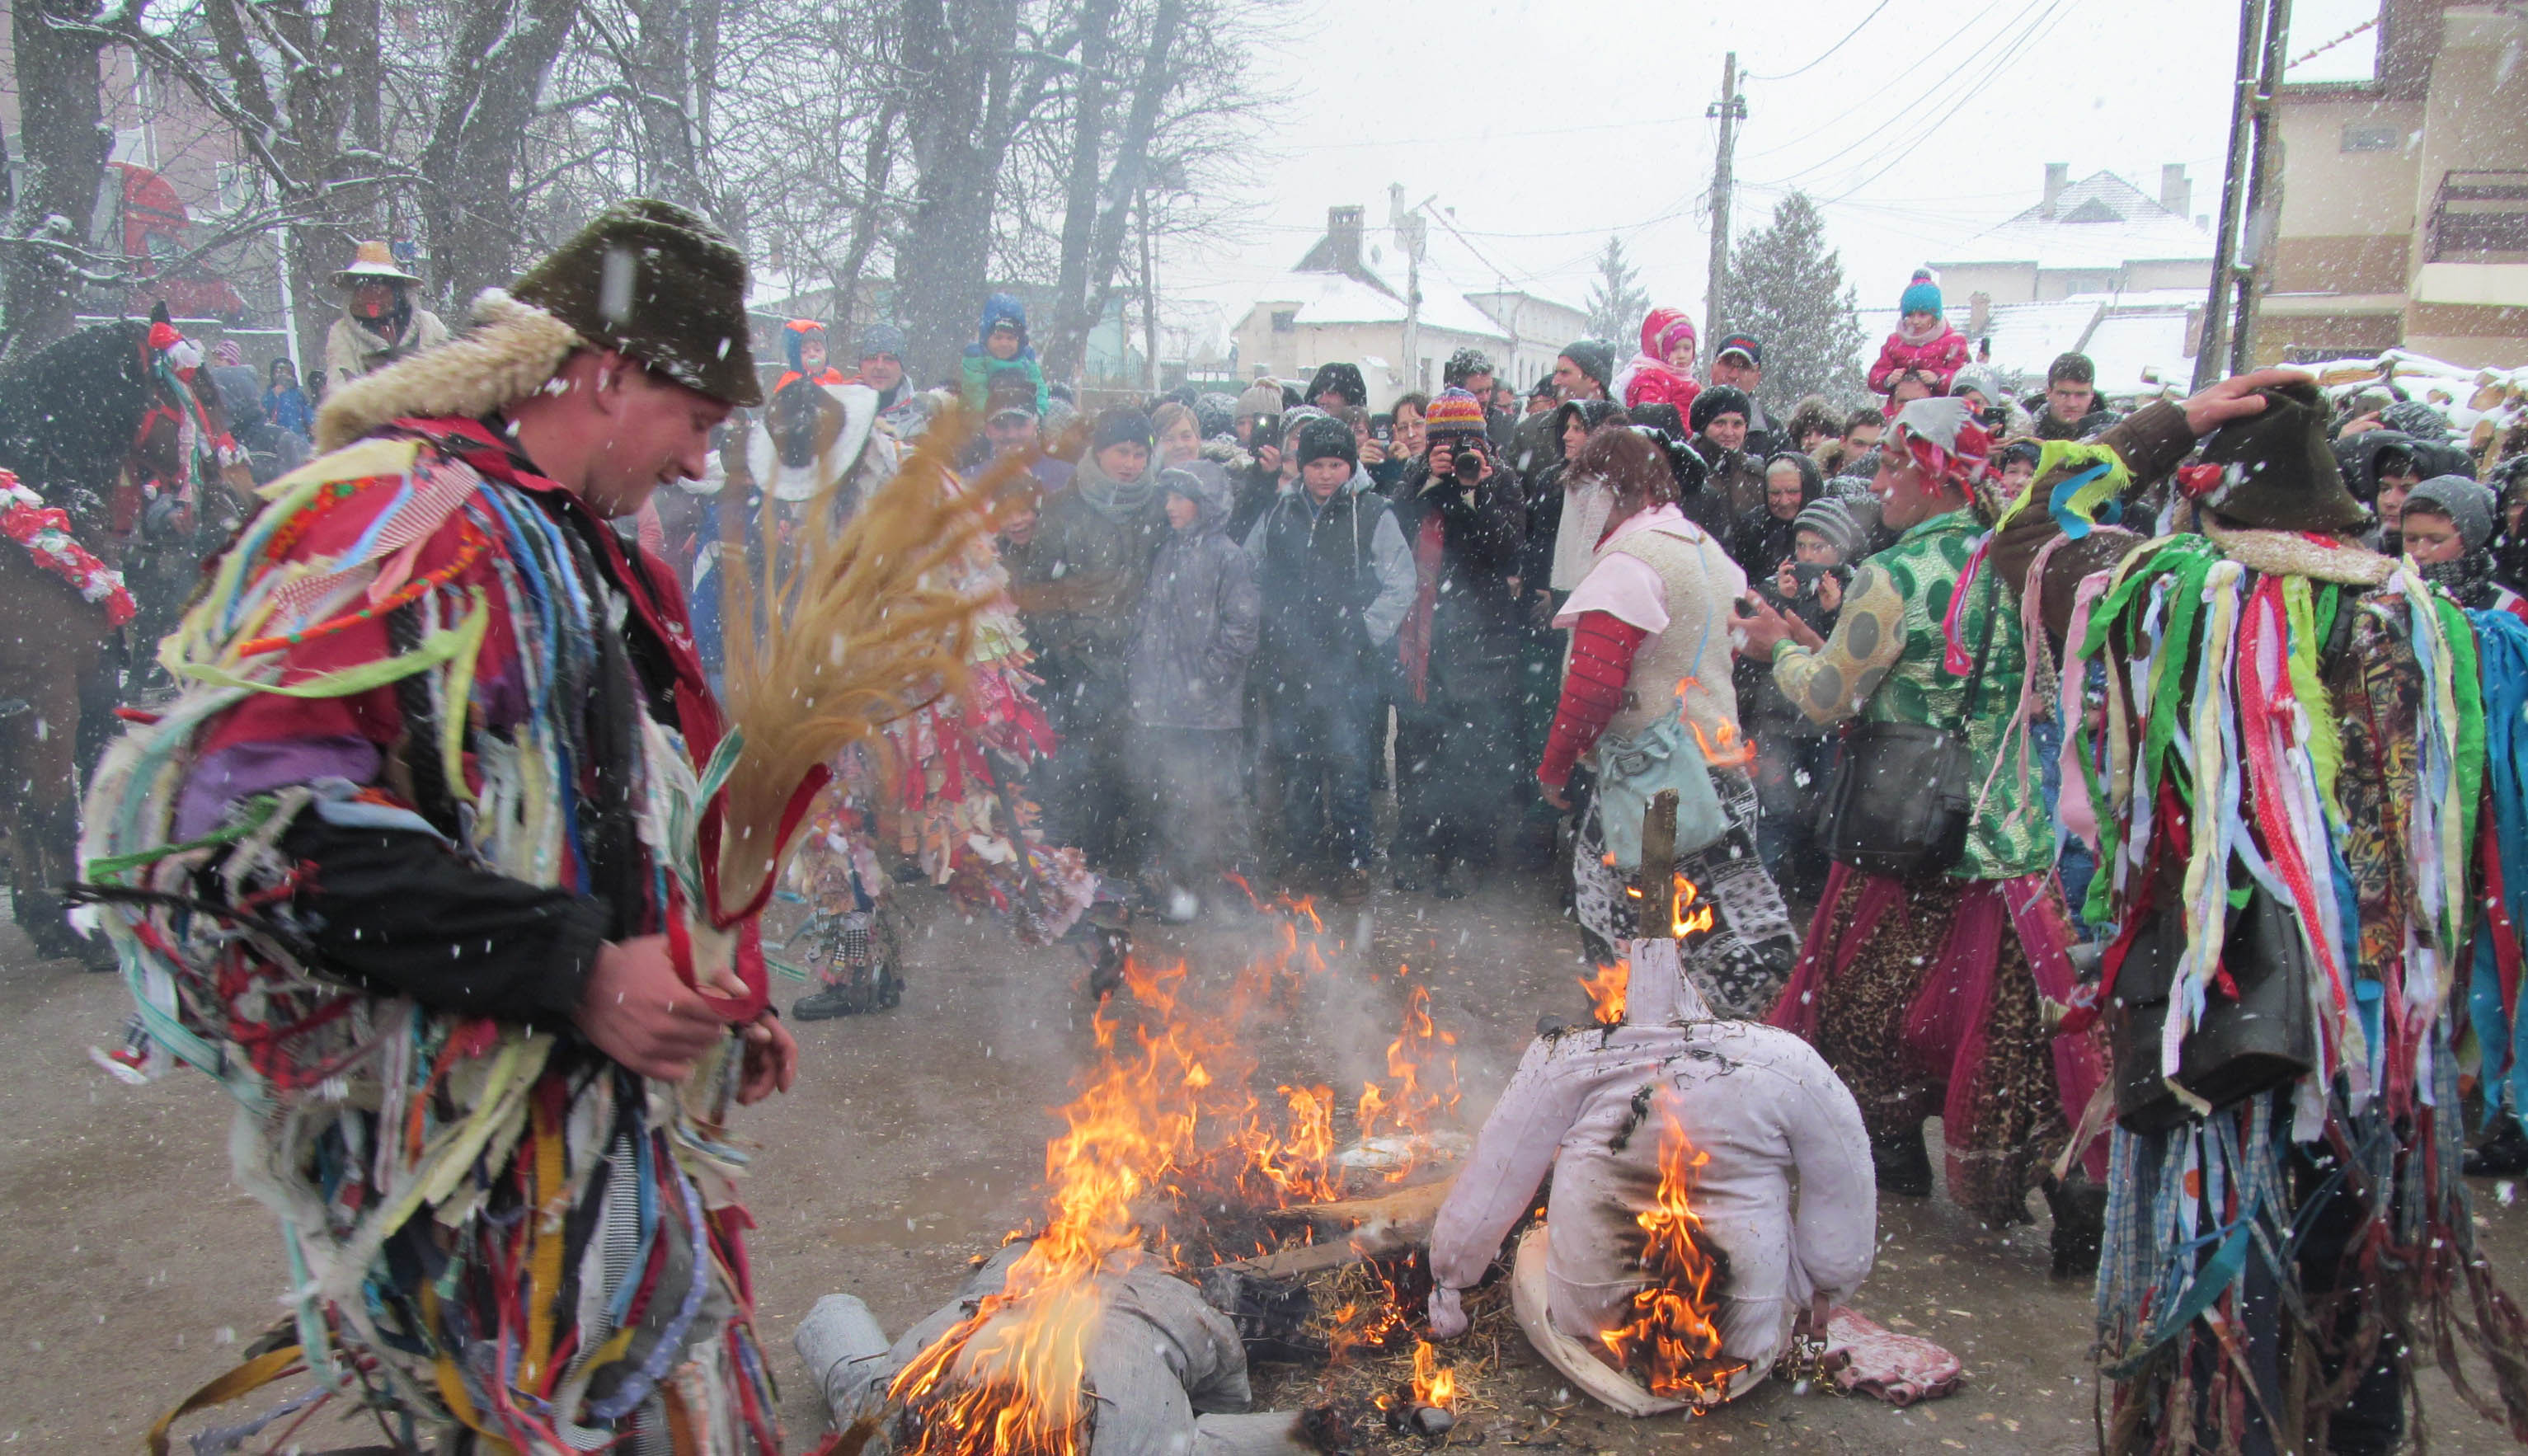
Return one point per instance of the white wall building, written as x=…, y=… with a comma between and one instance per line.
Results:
x=1338, y=308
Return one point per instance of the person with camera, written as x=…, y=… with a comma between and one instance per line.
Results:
x=1940, y=933
x=1457, y=654
x=1795, y=758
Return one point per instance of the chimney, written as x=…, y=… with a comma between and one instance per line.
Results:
x=1342, y=238
x=2176, y=193
x=2058, y=175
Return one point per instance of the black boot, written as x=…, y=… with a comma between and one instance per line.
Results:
x=1904, y=1164
x=2079, y=1233
x=2504, y=1155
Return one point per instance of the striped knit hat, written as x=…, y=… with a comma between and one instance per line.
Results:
x=1453, y=412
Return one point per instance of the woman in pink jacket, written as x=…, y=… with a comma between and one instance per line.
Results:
x=1662, y=373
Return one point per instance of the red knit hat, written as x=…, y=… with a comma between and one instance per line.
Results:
x=1453, y=412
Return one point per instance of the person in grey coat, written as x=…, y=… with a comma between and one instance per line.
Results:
x=1201, y=614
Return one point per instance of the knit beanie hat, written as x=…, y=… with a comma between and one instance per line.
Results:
x=881, y=337
x=1717, y=401
x=1122, y=425
x=658, y=283
x=1262, y=398
x=2415, y=418
x=1011, y=392
x=1454, y=412
x=2470, y=505
x=1594, y=357
x=1983, y=380
x=1658, y=414
x=2276, y=471
x=1833, y=523
x=1326, y=436
x=1342, y=379
x=1921, y=295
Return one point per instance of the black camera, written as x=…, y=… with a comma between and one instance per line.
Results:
x=1381, y=428
x=1467, y=463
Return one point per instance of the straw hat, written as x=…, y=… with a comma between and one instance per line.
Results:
x=372, y=261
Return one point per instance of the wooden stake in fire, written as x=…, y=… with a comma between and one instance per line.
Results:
x=1657, y=874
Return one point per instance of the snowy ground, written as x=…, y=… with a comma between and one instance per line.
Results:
x=915, y=1141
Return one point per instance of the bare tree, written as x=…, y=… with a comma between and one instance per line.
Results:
x=61, y=137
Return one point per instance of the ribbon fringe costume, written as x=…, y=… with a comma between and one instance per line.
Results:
x=2294, y=715
x=427, y=692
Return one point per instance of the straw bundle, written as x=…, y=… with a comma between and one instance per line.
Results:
x=862, y=625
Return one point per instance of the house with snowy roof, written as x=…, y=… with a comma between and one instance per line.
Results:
x=1345, y=303
x=2100, y=234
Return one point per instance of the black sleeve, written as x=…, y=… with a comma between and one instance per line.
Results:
x=395, y=912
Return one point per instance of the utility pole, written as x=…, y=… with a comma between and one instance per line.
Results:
x=1731, y=109
x=2246, y=195
x=1412, y=232
x=2262, y=222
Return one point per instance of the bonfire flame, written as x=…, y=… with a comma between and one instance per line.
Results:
x=1434, y=1383
x=1422, y=1068
x=1671, y=1341
x=1167, y=1116
x=1606, y=993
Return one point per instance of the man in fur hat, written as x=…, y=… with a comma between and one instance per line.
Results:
x=402, y=873
x=378, y=324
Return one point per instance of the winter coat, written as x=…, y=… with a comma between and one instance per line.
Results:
x=1649, y=381
x=1475, y=616
x=287, y=407
x=2091, y=426
x=975, y=370
x=1762, y=709
x=1080, y=590
x=1941, y=356
x=1337, y=579
x=1732, y=485
x=353, y=349
x=1760, y=540
x=2358, y=455
x=1201, y=614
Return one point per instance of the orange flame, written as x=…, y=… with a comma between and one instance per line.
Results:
x=1729, y=749
x=1166, y=1117
x=1422, y=1089
x=1434, y=1383
x=1672, y=1340
x=1606, y=993
x=1692, y=915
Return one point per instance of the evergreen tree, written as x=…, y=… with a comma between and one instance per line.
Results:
x=1618, y=301
x=1786, y=288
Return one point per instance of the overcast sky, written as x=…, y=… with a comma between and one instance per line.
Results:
x=1543, y=126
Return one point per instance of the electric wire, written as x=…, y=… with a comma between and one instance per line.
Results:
x=1828, y=51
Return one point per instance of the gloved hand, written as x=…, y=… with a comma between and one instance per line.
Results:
x=1448, y=1313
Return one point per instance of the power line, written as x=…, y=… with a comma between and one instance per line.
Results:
x=2036, y=30
x=1946, y=78
x=1829, y=50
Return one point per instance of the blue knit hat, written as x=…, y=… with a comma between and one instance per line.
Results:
x=1921, y=295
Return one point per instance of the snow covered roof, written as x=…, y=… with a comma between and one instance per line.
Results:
x=1341, y=298
x=2101, y=221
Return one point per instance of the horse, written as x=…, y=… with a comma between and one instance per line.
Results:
x=104, y=428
